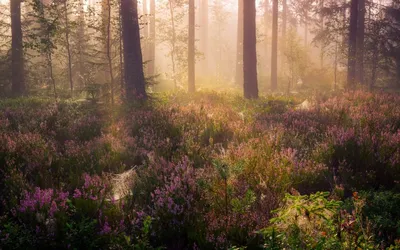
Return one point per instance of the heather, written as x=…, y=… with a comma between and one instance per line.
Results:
x=208, y=170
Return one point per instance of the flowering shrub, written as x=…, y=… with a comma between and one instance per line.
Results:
x=207, y=170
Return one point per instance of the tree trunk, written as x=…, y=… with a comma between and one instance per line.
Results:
x=51, y=73
x=351, y=66
x=145, y=41
x=344, y=38
x=284, y=25
x=121, y=55
x=204, y=35
x=81, y=45
x=17, y=53
x=134, y=76
x=70, y=78
x=274, y=50
x=360, y=42
x=104, y=25
x=191, y=48
x=152, y=40
x=239, y=45
x=173, y=42
x=109, y=57
x=322, y=29
x=249, y=50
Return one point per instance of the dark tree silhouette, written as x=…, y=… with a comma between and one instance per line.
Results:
x=239, y=46
x=351, y=67
x=134, y=76
x=191, y=47
x=204, y=35
x=284, y=29
x=249, y=50
x=360, y=42
x=17, y=53
x=274, y=49
x=152, y=42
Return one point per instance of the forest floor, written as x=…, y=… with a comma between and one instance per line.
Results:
x=201, y=171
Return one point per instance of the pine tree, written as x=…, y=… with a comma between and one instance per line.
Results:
x=249, y=50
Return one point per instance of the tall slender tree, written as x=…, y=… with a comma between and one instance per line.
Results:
x=274, y=49
x=104, y=36
x=249, y=50
x=145, y=29
x=152, y=40
x=191, y=47
x=284, y=28
x=351, y=66
x=109, y=52
x=68, y=47
x=322, y=49
x=17, y=53
x=204, y=35
x=360, y=42
x=81, y=44
x=266, y=30
x=173, y=41
x=134, y=76
x=239, y=45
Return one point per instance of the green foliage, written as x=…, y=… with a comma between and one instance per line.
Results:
x=318, y=222
x=382, y=211
x=305, y=222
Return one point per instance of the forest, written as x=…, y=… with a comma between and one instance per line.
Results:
x=200, y=124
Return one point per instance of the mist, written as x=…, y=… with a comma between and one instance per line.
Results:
x=200, y=124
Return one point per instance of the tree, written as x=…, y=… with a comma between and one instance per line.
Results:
x=351, y=66
x=68, y=47
x=284, y=25
x=152, y=41
x=17, y=53
x=322, y=51
x=109, y=52
x=204, y=34
x=249, y=50
x=274, y=50
x=145, y=29
x=267, y=18
x=360, y=42
x=134, y=76
x=191, y=47
x=239, y=45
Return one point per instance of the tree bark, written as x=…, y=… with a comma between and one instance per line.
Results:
x=17, y=53
x=104, y=24
x=145, y=41
x=173, y=42
x=239, y=45
x=69, y=54
x=249, y=50
x=81, y=45
x=109, y=57
x=360, y=42
x=191, y=48
x=274, y=50
x=352, y=60
x=152, y=41
x=284, y=25
x=204, y=35
x=322, y=29
x=134, y=76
